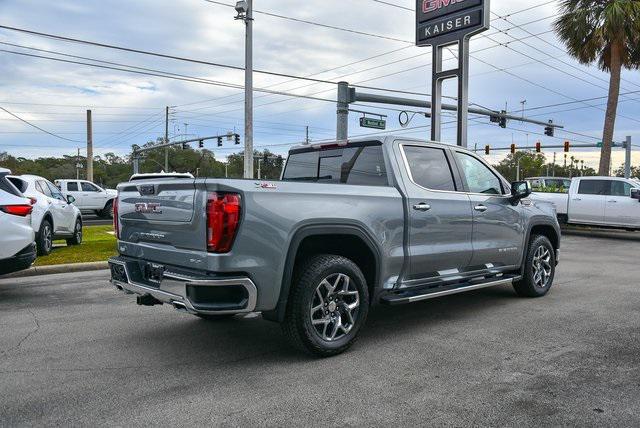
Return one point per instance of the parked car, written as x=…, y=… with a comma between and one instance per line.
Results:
x=17, y=246
x=89, y=197
x=598, y=201
x=560, y=184
x=54, y=216
x=388, y=220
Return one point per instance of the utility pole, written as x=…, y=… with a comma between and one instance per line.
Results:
x=78, y=165
x=342, y=124
x=554, y=164
x=627, y=157
x=306, y=139
x=166, y=139
x=89, y=147
x=245, y=13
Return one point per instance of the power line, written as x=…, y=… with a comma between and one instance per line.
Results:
x=37, y=127
x=317, y=24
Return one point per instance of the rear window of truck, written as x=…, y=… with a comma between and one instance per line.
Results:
x=359, y=165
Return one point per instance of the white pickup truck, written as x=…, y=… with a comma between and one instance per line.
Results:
x=598, y=201
x=89, y=196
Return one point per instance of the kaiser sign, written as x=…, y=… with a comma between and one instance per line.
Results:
x=439, y=22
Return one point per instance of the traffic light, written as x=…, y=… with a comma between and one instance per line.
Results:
x=566, y=146
x=538, y=147
x=513, y=149
x=201, y=144
x=503, y=120
x=219, y=141
x=487, y=149
x=237, y=138
x=548, y=131
x=184, y=146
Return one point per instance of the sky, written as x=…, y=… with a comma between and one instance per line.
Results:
x=518, y=59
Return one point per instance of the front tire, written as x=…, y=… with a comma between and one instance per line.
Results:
x=539, y=270
x=44, y=240
x=328, y=305
x=77, y=234
x=107, y=212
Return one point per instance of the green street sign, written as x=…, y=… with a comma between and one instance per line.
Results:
x=367, y=122
x=613, y=144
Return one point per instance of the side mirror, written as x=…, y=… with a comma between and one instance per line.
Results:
x=71, y=199
x=520, y=190
x=635, y=194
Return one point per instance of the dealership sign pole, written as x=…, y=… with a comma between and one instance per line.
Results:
x=444, y=23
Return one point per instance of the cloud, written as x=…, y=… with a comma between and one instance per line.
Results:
x=128, y=108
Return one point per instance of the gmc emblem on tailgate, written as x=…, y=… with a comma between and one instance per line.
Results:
x=148, y=208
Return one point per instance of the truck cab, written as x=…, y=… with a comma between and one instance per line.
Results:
x=89, y=197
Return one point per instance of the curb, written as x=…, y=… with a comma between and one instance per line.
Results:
x=53, y=269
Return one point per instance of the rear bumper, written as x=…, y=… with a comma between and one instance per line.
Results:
x=192, y=293
x=20, y=261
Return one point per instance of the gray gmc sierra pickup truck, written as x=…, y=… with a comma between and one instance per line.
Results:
x=384, y=220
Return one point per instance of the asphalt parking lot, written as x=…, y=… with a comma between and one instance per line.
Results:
x=73, y=351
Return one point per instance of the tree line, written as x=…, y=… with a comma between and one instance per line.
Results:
x=111, y=169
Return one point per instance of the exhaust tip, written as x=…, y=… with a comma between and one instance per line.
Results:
x=179, y=306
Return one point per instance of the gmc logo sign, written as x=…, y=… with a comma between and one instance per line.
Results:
x=433, y=5
x=148, y=208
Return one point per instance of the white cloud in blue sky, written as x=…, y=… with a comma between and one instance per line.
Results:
x=129, y=108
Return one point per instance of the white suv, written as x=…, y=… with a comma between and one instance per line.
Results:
x=89, y=196
x=17, y=249
x=54, y=216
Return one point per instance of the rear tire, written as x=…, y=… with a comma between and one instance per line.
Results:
x=327, y=306
x=44, y=240
x=77, y=234
x=107, y=212
x=539, y=270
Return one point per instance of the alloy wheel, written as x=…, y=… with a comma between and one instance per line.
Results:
x=78, y=232
x=334, y=307
x=542, y=267
x=47, y=238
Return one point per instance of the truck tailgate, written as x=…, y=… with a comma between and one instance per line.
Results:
x=162, y=212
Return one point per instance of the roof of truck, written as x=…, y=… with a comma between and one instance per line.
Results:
x=384, y=139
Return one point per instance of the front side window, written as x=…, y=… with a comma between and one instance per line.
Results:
x=41, y=186
x=480, y=179
x=88, y=187
x=594, y=187
x=429, y=168
x=620, y=188
x=55, y=192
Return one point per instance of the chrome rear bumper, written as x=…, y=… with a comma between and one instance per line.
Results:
x=174, y=288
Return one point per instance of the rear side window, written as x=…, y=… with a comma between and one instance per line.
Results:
x=594, y=187
x=358, y=165
x=7, y=186
x=72, y=186
x=429, y=168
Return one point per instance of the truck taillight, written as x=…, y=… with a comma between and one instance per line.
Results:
x=116, y=224
x=22, y=210
x=223, y=217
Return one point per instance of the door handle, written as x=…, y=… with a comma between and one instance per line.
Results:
x=480, y=208
x=577, y=199
x=422, y=207
x=613, y=201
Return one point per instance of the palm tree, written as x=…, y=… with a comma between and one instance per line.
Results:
x=607, y=31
